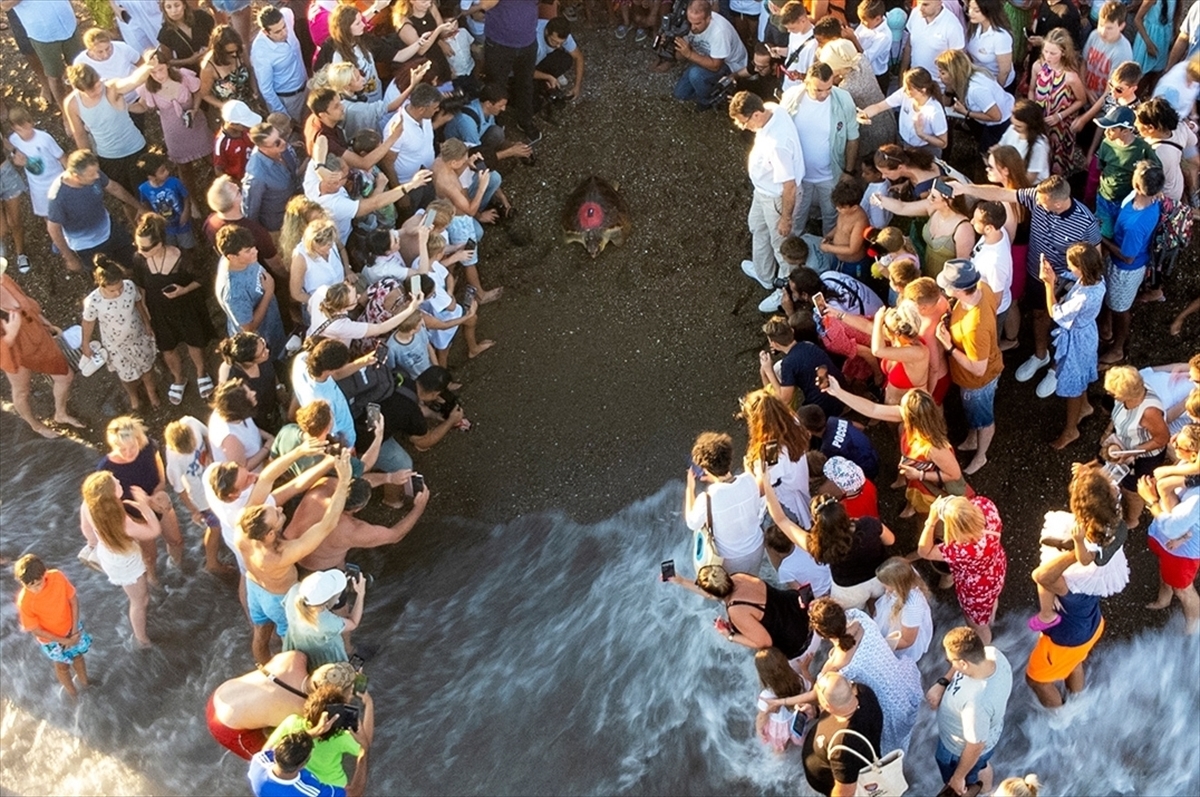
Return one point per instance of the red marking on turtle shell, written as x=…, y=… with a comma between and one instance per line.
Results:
x=591, y=216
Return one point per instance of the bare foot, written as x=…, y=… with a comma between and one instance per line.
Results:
x=44, y=430
x=483, y=346
x=1176, y=327
x=1112, y=357
x=1064, y=440
x=976, y=463
x=1087, y=412
x=68, y=420
x=908, y=511
x=488, y=297
x=900, y=482
x=219, y=569
x=1157, y=605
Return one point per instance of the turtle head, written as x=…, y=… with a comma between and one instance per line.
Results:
x=592, y=223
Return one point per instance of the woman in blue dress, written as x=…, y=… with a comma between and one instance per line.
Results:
x=1076, y=340
x=1154, y=29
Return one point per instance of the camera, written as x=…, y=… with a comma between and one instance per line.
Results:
x=334, y=448
x=722, y=90
x=345, y=716
x=673, y=25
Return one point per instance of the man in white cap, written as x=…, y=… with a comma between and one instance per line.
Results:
x=278, y=64
x=232, y=147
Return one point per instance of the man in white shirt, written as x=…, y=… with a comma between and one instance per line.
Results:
x=734, y=503
x=413, y=151
x=112, y=59
x=278, y=64
x=970, y=700
x=992, y=255
x=776, y=167
x=824, y=117
x=712, y=51
x=932, y=30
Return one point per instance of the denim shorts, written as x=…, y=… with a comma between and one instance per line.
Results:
x=978, y=404
x=948, y=762
x=265, y=607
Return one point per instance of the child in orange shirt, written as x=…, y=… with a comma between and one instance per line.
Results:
x=49, y=610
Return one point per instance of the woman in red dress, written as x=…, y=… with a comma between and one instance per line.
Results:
x=27, y=347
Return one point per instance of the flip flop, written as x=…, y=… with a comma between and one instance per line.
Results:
x=175, y=393
x=1036, y=624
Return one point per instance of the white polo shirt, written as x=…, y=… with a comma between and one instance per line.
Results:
x=928, y=40
x=986, y=46
x=775, y=157
x=414, y=147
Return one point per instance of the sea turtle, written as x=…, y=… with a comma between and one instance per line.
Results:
x=594, y=215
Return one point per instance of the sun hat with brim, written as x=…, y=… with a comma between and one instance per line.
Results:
x=322, y=586
x=958, y=274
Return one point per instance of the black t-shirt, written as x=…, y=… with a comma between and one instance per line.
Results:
x=866, y=554
x=823, y=769
x=798, y=369
x=182, y=46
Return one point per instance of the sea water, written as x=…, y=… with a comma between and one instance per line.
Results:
x=540, y=656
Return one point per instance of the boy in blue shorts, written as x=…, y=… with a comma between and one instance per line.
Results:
x=1129, y=253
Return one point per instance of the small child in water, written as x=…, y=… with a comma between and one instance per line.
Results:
x=48, y=609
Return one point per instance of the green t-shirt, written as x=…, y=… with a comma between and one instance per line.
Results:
x=1116, y=166
x=289, y=438
x=326, y=761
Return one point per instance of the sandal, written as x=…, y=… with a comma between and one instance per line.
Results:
x=175, y=394
x=205, y=385
x=1037, y=624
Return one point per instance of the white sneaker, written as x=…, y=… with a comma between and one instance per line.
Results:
x=1031, y=366
x=772, y=303
x=1045, y=388
x=748, y=270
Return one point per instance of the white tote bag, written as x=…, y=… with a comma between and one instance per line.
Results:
x=881, y=777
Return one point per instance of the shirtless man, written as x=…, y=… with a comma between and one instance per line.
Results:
x=350, y=532
x=241, y=711
x=472, y=199
x=271, y=560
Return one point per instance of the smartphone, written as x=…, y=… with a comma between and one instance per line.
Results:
x=697, y=471
x=353, y=571
x=668, y=570
x=414, y=285
x=946, y=320
x=471, y=245
x=360, y=681
x=373, y=414
x=416, y=483
x=168, y=289
x=822, y=377
x=469, y=296
x=942, y=187
x=771, y=451
x=428, y=219
x=357, y=662
x=819, y=303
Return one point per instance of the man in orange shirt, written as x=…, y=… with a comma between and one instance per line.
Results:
x=49, y=610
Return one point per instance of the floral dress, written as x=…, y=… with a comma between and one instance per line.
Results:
x=1054, y=95
x=130, y=348
x=895, y=681
x=1076, y=339
x=978, y=567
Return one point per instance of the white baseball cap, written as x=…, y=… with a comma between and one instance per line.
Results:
x=236, y=112
x=322, y=586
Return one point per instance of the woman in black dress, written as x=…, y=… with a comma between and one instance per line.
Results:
x=420, y=29
x=248, y=358
x=185, y=32
x=175, y=302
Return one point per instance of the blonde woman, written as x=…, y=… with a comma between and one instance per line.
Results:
x=115, y=536
x=1027, y=786
x=903, y=613
x=975, y=94
x=971, y=548
x=896, y=341
x=297, y=215
x=136, y=462
x=1138, y=425
x=313, y=628
x=317, y=261
x=1058, y=89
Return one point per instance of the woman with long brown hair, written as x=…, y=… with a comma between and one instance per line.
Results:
x=902, y=612
x=779, y=682
x=349, y=43
x=225, y=71
x=778, y=441
x=185, y=32
x=922, y=117
x=115, y=537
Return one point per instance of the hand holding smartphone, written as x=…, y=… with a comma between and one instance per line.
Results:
x=414, y=285
x=819, y=303
x=668, y=570
x=822, y=377
x=942, y=187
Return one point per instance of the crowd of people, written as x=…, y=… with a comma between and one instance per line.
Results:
x=896, y=282
x=327, y=170
x=325, y=173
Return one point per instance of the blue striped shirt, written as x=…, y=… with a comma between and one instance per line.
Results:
x=1052, y=234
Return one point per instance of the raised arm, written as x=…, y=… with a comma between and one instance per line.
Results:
x=881, y=412
x=292, y=551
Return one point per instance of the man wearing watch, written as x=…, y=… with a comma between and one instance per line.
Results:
x=972, y=351
x=970, y=700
